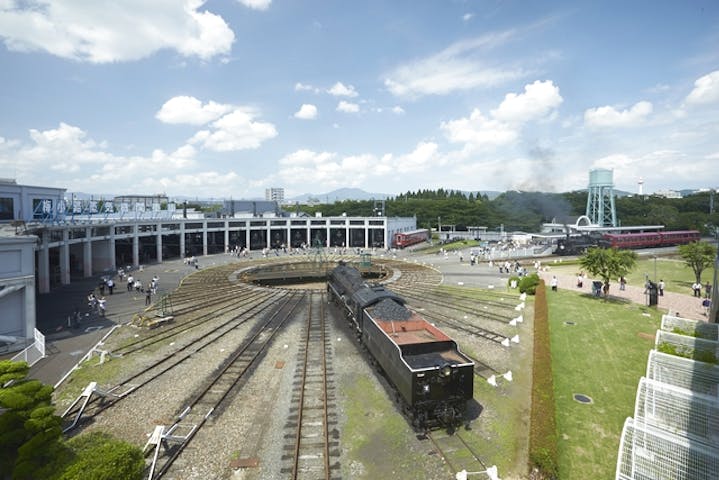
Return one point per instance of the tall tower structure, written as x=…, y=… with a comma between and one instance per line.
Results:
x=641, y=186
x=600, y=198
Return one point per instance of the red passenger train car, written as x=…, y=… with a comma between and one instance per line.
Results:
x=651, y=239
x=405, y=239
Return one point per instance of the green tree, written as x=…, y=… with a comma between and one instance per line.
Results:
x=30, y=432
x=698, y=256
x=608, y=263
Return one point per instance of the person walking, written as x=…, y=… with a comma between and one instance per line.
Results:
x=622, y=283
x=110, y=285
x=148, y=295
x=553, y=283
x=101, y=306
x=130, y=283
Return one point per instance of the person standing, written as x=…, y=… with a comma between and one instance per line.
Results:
x=622, y=283
x=553, y=283
x=110, y=285
x=707, y=290
x=148, y=295
x=130, y=283
x=661, y=288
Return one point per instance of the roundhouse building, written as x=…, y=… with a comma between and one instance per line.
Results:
x=90, y=247
x=48, y=240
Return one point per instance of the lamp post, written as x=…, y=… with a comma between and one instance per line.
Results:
x=714, y=311
x=655, y=268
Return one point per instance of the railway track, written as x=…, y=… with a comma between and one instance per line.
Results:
x=312, y=444
x=209, y=400
x=245, y=303
x=158, y=368
x=456, y=452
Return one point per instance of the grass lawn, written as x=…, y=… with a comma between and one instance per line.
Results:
x=602, y=356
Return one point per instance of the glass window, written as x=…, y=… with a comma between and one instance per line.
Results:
x=7, y=208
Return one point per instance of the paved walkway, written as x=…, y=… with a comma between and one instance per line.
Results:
x=66, y=345
x=677, y=304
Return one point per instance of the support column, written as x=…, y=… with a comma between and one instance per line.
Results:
x=43, y=264
x=111, y=248
x=30, y=312
x=65, y=258
x=227, y=236
x=366, y=235
x=87, y=253
x=135, y=246
x=158, y=243
x=327, y=235
x=247, y=236
x=268, y=235
x=347, y=234
x=182, y=240
x=204, y=239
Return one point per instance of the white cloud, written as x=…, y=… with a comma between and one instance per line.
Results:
x=106, y=31
x=235, y=131
x=503, y=125
x=467, y=17
x=706, y=89
x=457, y=67
x=306, y=112
x=347, y=107
x=341, y=90
x=301, y=87
x=538, y=99
x=183, y=109
x=479, y=132
x=331, y=171
x=654, y=166
x=256, y=4
x=397, y=110
x=610, y=117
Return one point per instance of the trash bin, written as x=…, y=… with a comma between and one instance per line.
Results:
x=652, y=294
x=597, y=288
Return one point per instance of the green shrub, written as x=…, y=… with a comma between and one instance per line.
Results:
x=543, y=429
x=99, y=456
x=529, y=283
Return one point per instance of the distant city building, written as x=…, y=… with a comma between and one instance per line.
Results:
x=275, y=194
x=668, y=194
x=251, y=208
x=146, y=200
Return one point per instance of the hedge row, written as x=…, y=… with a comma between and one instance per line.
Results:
x=543, y=429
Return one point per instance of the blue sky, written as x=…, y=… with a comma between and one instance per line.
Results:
x=223, y=99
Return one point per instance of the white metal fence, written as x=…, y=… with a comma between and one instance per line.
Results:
x=34, y=352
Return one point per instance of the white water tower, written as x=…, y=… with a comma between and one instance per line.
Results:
x=600, y=198
x=641, y=186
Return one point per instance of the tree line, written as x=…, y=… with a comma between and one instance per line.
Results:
x=526, y=211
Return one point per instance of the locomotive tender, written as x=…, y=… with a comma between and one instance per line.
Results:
x=433, y=379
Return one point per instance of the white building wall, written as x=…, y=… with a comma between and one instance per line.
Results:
x=23, y=196
x=17, y=295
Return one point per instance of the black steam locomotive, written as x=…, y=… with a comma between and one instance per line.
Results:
x=432, y=377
